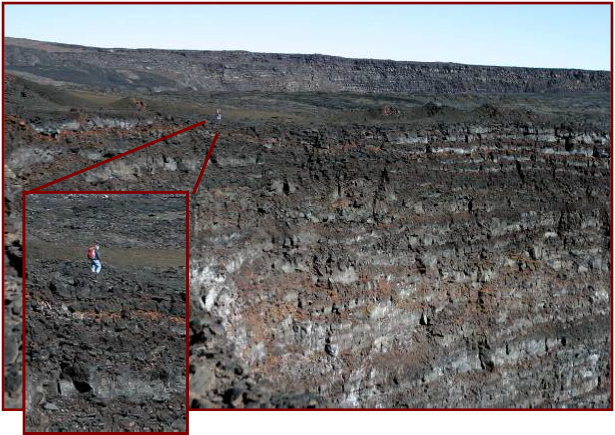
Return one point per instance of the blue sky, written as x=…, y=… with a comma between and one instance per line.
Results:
x=566, y=36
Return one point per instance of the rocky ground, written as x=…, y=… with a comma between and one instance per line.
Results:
x=105, y=352
x=355, y=249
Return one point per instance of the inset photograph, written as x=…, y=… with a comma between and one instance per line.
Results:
x=105, y=312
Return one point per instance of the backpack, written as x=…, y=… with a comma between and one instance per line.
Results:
x=92, y=253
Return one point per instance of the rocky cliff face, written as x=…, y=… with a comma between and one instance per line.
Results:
x=465, y=267
x=355, y=250
x=163, y=70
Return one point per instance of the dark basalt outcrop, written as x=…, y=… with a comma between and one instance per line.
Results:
x=367, y=248
x=164, y=70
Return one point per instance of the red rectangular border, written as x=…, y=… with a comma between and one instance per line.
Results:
x=23, y=289
x=338, y=3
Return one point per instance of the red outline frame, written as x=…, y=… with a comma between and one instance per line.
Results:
x=350, y=3
x=211, y=148
x=23, y=289
x=245, y=3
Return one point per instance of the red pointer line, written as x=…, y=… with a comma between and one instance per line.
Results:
x=211, y=148
x=118, y=156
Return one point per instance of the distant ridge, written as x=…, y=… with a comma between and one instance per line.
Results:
x=177, y=70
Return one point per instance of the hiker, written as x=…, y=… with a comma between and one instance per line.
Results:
x=219, y=115
x=94, y=257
